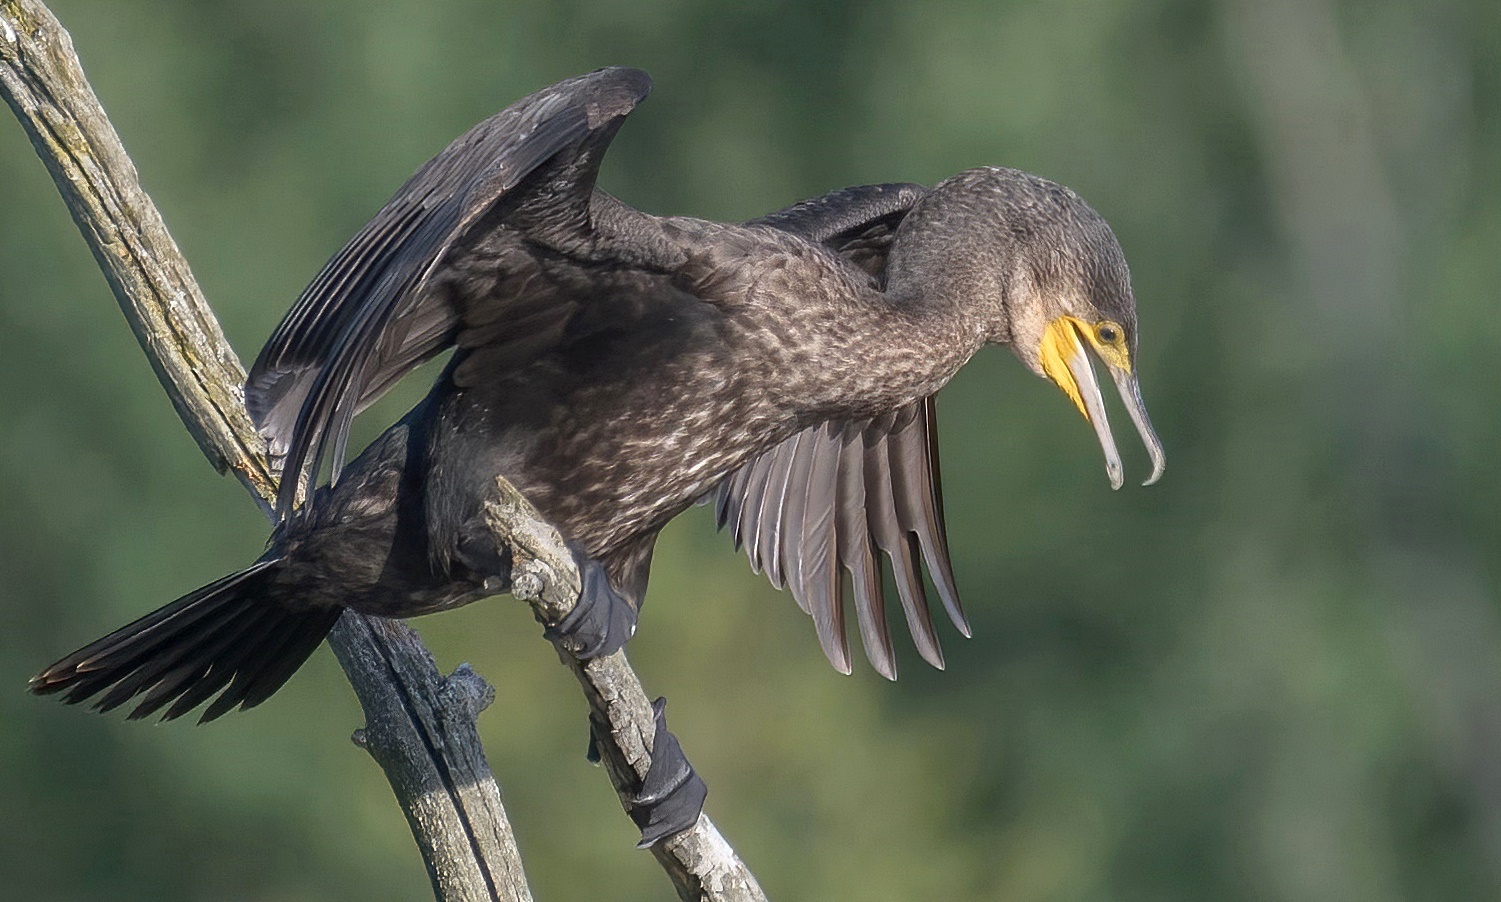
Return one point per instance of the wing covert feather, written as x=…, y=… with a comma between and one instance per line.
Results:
x=371, y=315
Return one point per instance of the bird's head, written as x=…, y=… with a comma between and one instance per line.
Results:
x=1061, y=291
x=1058, y=346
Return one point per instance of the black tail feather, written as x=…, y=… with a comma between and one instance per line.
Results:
x=226, y=634
x=163, y=676
x=285, y=643
x=199, y=671
x=295, y=649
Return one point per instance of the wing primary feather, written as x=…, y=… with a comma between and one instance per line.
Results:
x=919, y=505
x=825, y=501
x=748, y=527
x=316, y=319
x=729, y=495
x=892, y=538
x=817, y=544
x=859, y=558
x=912, y=492
x=771, y=519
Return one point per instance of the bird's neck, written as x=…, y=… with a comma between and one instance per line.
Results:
x=896, y=347
x=946, y=295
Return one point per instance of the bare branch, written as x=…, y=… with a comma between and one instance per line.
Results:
x=420, y=727
x=701, y=863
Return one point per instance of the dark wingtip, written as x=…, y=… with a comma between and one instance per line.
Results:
x=615, y=92
x=630, y=77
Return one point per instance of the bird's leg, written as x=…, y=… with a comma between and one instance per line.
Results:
x=672, y=795
x=601, y=621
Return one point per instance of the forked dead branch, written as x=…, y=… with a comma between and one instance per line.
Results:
x=420, y=725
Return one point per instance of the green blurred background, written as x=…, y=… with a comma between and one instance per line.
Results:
x=1274, y=676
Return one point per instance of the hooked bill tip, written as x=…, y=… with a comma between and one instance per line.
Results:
x=1154, y=448
x=1130, y=391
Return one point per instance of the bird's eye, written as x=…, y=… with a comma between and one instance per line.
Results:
x=1109, y=333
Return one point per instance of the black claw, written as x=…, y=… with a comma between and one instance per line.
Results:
x=672, y=795
x=601, y=622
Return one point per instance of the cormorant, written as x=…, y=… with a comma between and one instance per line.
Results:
x=616, y=367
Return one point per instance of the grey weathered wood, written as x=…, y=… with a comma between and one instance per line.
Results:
x=700, y=862
x=420, y=727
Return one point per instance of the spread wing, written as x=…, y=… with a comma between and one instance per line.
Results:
x=824, y=502
x=374, y=312
x=858, y=222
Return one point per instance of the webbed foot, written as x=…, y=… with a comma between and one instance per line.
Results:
x=601, y=622
x=672, y=795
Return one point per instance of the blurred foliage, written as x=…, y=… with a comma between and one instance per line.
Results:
x=1274, y=676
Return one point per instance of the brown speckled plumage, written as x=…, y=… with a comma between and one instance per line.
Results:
x=618, y=366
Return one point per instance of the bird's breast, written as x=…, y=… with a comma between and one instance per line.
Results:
x=618, y=461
